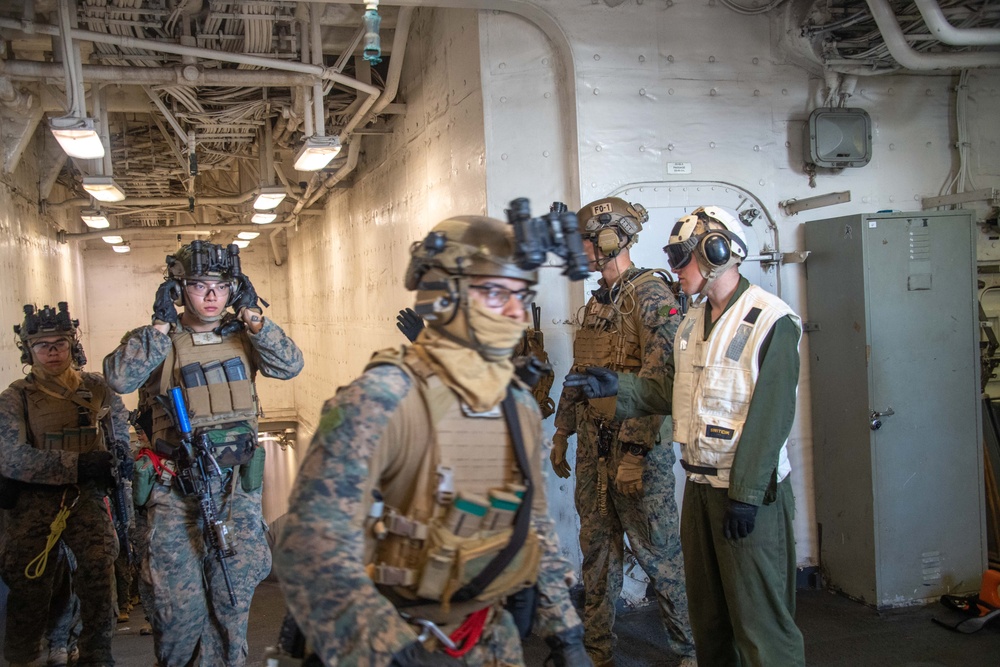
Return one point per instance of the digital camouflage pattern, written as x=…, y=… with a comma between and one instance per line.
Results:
x=650, y=522
x=181, y=582
x=42, y=611
x=320, y=554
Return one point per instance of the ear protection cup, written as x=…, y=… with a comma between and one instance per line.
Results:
x=715, y=248
x=25, y=353
x=608, y=241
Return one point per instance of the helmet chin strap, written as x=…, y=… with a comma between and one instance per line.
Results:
x=710, y=275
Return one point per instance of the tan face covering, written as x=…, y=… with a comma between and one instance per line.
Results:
x=481, y=384
x=69, y=377
x=497, y=334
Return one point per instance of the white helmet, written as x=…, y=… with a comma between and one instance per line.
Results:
x=709, y=234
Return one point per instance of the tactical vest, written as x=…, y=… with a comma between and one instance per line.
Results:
x=714, y=382
x=69, y=422
x=462, y=508
x=216, y=375
x=609, y=334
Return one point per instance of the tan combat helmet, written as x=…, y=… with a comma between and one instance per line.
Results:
x=611, y=224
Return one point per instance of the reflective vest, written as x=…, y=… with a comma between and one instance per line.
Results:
x=217, y=377
x=609, y=334
x=714, y=382
x=462, y=507
x=58, y=419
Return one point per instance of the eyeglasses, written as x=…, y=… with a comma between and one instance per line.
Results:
x=42, y=346
x=198, y=288
x=496, y=296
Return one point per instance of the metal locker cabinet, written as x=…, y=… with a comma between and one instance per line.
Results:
x=897, y=433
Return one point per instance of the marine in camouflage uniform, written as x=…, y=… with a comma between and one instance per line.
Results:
x=376, y=516
x=181, y=580
x=624, y=473
x=52, y=446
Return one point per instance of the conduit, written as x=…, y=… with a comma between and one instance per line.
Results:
x=82, y=202
x=188, y=75
x=126, y=232
x=895, y=41
x=944, y=31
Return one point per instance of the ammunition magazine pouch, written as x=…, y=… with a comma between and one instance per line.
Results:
x=143, y=480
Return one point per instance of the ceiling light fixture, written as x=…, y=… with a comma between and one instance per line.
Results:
x=248, y=236
x=241, y=243
x=94, y=219
x=121, y=248
x=269, y=198
x=263, y=218
x=316, y=153
x=77, y=137
x=103, y=188
x=112, y=239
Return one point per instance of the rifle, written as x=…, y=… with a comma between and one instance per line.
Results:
x=195, y=468
x=122, y=497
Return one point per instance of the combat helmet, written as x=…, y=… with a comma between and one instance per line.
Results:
x=201, y=259
x=454, y=251
x=47, y=322
x=611, y=224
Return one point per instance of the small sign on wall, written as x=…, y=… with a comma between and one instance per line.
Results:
x=678, y=168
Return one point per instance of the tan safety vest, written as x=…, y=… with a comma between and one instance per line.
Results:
x=214, y=404
x=609, y=339
x=715, y=379
x=421, y=554
x=58, y=419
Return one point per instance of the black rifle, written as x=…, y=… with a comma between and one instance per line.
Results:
x=195, y=468
x=122, y=471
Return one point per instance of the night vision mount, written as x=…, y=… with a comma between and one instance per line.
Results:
x=45, y=320
x=557, y=232
x=206, y=258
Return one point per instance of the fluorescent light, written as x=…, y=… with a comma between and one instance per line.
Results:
x=121, y=248
x=270, y=196
x=263, y=218
x=103, y=188
x=112, y=239
x=248, y=236
x=241, y=243
x=94, y=219
x=77, y=137
x=316, y=153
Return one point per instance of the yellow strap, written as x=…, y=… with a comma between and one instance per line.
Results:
x=36, y=567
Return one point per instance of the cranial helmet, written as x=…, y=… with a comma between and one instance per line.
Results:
x=455, y=250
x=712, y=236
x=611, y=224
x=200, y=259
x=45, y=323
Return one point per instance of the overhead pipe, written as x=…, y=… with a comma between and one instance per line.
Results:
x=132, y=202
x=12, y=98
x=895, y=41
x=944, y=31
x=180, y=75
x=126, y=232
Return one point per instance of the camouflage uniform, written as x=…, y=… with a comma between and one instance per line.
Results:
x=350, y=622
x=43, y=608
x=181, y=581
x=651, y=522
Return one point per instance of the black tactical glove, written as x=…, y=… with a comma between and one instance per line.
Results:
x=530, y=370
x=163, y=307
x=738, y=520
x=229, y=324
x=596, y=382
x=246, y=296
x=409, y=323
x=95, y=467
x=415, y=655
x=567, y=649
